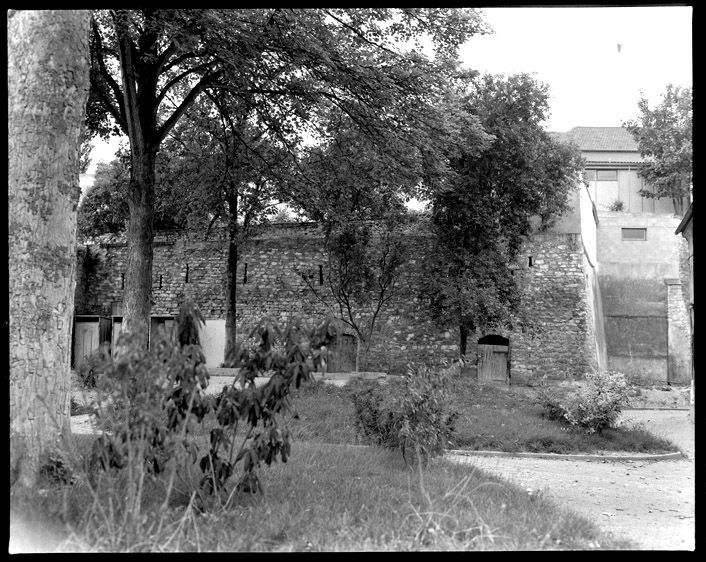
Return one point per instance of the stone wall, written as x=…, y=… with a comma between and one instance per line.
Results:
x=279, y=276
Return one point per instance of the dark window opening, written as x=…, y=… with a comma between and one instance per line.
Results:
x=187, y=273
x=321, y=275
x=245, y=273
x=122, y=280
x=530, y=262
x=160, y=281
x=638, y=234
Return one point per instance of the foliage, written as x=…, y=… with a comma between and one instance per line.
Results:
x=104, y=208
x=664, y=136
x=411, y=414
x=356, y=192
x=481, y=215
x=616, y=205
x=282, y=67
x=596, y=406
x=154, y=398
x=364, y=262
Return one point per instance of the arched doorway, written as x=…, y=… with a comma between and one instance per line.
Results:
x=493, y=359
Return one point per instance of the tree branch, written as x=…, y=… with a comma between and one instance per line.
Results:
x=185, y=104
x=118, y=112
x=179, y=77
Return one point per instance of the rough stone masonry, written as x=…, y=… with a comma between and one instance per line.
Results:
x=559, y=291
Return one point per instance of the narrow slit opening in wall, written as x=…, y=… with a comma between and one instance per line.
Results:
x=187, y=273
x=122, y=280
x=160, y=281
x=245, y=273
x=321, y=275
x=530, y=262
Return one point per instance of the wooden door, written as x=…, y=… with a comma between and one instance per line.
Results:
x=341, y=356
x=492, y=362
x=85, y=340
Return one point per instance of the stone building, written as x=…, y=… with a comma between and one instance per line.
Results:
x=642, y=267
x=601, y=288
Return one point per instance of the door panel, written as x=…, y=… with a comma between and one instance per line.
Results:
x=492, y=362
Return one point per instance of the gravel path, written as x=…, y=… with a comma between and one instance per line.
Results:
x=651, y=503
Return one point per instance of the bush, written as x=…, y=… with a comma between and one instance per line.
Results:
x=411, y=414
x=155, y=396
x=594, y=407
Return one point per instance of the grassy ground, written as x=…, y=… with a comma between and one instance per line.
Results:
x=335, y=496
x=327, y=497
x=491, y=418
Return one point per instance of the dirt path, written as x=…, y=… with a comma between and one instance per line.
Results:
x=649, y=502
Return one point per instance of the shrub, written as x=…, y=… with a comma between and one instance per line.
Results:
x=616, y=205
x=155, y=396
x=594, y=407
x=412, y=413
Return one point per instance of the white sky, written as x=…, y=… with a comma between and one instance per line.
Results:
x=575, y=51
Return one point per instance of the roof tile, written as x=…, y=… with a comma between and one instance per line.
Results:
x=600, y=138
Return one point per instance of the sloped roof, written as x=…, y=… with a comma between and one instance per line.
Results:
x=609, y=139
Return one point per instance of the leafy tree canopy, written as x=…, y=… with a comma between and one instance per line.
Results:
x=104, y=207
x=664, y=137
x=150, y=66
x=482, y=214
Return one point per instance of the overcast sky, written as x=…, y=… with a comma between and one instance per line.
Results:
x=591, y=81
x=595, y=60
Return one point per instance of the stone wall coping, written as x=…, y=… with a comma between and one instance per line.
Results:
x=672, y=282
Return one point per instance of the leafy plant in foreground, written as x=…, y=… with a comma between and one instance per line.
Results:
x=155, y=396
x=289, y=357
x=412, y=413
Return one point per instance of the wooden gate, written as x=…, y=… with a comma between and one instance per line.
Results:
x=341, y=356
x=493, y=355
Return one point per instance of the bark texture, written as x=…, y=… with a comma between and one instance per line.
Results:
x=47, y=93
x=230, y=292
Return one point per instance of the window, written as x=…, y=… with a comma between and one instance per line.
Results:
x=638, y=234
x=606, y=175
x=603, y=186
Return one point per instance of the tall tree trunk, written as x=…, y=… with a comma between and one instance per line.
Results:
x=463, y=343
x=139, y=83
x=137, y=301
x=47, y=93
x=231, y=269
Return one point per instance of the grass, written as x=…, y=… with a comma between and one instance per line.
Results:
x=326, y=498
x=491, y=418
x=333, y=495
